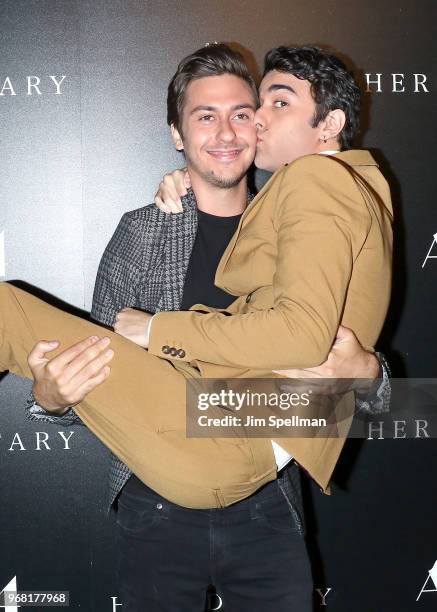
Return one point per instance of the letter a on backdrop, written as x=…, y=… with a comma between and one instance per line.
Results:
x=428, y=255
x=9, y=589
x=432, y=575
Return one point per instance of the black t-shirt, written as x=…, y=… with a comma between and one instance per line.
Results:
x=212, y=238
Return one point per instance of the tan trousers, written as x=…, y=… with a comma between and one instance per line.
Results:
x=139, y=411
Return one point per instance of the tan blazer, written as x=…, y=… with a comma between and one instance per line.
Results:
x=311, y=251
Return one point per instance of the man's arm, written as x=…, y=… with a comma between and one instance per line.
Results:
x=119, y=272
x=34, y=412
x=350, y=366
x=377, y=400
x=320, y=234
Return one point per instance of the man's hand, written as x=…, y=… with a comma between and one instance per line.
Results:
x=66, y=379
x=172, y=187
x=347, y=360
x=133, y=325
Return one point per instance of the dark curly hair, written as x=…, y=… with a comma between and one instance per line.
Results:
x=213, y=59
x=332, y=86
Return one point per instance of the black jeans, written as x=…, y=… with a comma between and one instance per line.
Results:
x=252, y=552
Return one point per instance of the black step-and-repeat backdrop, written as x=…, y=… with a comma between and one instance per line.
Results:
x=83, y=139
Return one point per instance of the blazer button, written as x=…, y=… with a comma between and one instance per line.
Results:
x=173, y=351
x=165, y=349
x=181, y=353
x=248, y=298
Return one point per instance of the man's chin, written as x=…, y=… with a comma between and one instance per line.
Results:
x=224, y=181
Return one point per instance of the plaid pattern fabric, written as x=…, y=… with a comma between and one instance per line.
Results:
x=144, y=266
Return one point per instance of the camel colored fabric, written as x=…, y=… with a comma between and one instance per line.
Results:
x=312, y=250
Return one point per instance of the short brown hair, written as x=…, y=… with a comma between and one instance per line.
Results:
x=211, y=60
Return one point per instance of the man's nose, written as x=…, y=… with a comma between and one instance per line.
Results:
x=226, y=131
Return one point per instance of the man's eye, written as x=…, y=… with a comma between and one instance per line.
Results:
x=206, y=118
x=243, y=116
x=280, y=103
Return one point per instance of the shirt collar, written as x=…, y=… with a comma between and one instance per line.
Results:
x=189, y=201
x=329, y=152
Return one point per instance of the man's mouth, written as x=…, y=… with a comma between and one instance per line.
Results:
x=225, y=155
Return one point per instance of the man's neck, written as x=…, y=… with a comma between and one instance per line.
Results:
x=329, y=147
x=218, y=201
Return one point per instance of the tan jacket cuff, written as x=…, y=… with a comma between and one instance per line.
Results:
x=166, y=336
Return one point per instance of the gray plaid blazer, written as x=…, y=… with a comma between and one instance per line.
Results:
x=144, y=266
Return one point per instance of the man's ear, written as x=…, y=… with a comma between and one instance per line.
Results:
x=176, y=137
x=333, y=124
